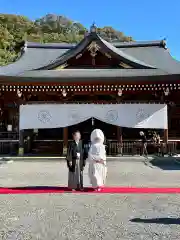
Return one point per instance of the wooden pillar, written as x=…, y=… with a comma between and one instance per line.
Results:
x=21, y=143
x=119, y=139
x=166, y=136
x=65, y=140
x=165, y=147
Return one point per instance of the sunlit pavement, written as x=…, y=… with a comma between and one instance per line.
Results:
x=86, y=216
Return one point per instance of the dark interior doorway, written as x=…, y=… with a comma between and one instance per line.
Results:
x=50, y=141
x=86, y=127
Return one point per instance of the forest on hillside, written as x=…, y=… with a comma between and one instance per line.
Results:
x=15, y=29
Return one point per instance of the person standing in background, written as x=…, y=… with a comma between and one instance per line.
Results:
x=144, y=144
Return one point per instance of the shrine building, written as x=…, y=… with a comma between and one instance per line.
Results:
x=55, y=88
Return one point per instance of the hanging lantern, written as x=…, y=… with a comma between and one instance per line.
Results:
x=119, y=92
x=64, y=93
x=166, y=92
x=19, y=93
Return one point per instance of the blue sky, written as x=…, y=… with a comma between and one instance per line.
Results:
x=141, y=19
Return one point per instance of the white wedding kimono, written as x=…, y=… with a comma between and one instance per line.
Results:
x=97, y=170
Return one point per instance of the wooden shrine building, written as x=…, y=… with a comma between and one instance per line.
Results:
x=93, y=71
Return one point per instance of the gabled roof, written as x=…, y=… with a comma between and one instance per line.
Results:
x=36, y=58
x=106, y=46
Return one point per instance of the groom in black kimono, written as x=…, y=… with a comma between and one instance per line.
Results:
x=76, y=162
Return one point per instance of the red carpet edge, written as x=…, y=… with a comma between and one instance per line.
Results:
x=111, y=190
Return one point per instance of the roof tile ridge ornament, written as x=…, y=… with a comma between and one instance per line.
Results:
x=163, y=43
x=93, y=28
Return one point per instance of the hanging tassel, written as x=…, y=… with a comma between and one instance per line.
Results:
x=92, y=121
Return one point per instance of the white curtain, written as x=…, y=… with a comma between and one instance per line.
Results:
x=38, y=116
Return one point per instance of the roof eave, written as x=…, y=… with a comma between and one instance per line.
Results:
x=164, y=78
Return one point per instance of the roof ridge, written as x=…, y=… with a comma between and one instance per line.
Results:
x=156, y=43
x=63, y=45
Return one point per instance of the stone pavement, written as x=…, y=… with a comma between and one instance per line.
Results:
x=81, y=216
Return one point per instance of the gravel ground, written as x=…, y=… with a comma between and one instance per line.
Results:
x=81, y=216
x=54, y=173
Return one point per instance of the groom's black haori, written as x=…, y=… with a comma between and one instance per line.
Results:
x=73, y=149
x=75, y=165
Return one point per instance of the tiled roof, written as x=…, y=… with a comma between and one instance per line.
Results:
x=149, y=58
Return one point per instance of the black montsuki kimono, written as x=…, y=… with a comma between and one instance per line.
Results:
x=75, y=165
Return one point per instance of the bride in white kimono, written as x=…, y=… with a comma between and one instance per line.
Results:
x=97, y=160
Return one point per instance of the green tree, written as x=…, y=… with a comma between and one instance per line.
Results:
x=15, y=29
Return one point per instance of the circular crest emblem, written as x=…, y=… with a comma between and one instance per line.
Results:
x=44, y=116
x=112, y=116
x=141, y=115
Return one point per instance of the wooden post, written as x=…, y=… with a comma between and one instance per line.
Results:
x=166, y=136
x=119, y=138
x=21, y=143
x=165, y=147
x=65, y=140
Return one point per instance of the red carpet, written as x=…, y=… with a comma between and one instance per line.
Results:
x=111, y=190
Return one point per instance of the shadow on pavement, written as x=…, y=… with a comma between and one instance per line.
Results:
x=166, y=221
x=165, y=164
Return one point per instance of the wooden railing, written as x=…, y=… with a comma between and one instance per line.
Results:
x=9, y=135
x=113, y=148
x=135, y=148
x=9, y=147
